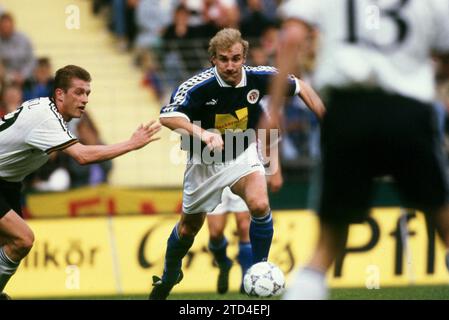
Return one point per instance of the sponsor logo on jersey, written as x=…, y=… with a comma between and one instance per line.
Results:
x=253, y=96
x=236, y=121
x=213, y=102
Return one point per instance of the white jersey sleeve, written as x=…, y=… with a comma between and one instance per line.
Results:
x=50, y=135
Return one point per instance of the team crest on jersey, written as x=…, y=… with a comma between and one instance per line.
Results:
x=253, y=96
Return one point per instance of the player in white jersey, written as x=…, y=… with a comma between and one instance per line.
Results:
x=28, y=136
x=375, y=72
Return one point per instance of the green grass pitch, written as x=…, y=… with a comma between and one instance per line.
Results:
x=399, y=293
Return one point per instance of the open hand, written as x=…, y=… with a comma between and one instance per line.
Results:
x=145, y=134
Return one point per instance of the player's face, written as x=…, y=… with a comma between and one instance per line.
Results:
x=229, y=64
x=73, y=102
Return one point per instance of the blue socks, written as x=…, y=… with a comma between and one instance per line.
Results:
x=261, y=234
x=245, y=256
x=218, y=249
x=177, y=248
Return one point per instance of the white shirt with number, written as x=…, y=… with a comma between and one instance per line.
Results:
x=28, y=136
x=383, y=43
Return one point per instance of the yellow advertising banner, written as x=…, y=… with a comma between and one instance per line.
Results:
x=103, y=200
x=70, y=257
x=90, y=256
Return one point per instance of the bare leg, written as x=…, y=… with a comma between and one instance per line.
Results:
x=310, y=282
x=243, y=221
x=331, y=243
x=253, y=190
x=17, y=239
x=216, y=224
x=441, y=219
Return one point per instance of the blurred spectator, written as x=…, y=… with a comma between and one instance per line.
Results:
x=263, y=51
x=269, y=42
x=188, y=43
x=258, y=56
x=441, y=64
x=131, y=25
x=152, y=16
x=98, y=5
x=51, y=177
x=11, y=99
x=221, y=13
x=441, y=106
x=119, y=22
x=93, y=174
x=301, y=132
x=124, y=23
x=196, y=11
x=41, y=83
x=255, y=22
x=16, y=51
x=2, y=78
x=151, y=77
x=268, y=8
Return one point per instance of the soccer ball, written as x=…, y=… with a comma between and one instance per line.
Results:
x=264, y=279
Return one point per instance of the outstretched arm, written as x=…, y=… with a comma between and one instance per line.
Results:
x=294, y=32
x=311, y=99
x=86, y=154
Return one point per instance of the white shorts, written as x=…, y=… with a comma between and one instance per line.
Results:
x=230, y=202
x=204, y=184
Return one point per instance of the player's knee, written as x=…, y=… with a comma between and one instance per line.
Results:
x=23, y=244
x=258, y=207
x=189, y=229
x=216, y=234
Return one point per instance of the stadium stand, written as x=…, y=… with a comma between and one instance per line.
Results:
x=119, y=103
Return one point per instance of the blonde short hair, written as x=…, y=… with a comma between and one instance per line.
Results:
x=225, y=39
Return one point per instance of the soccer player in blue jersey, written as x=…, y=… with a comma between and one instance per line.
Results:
x=218, y=110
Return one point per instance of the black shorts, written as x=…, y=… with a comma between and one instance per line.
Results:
x=368, y=134
x=10, y=195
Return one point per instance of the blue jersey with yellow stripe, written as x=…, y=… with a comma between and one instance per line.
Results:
x=213, y=104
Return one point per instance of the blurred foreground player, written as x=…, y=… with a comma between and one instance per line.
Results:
x=375, y=71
